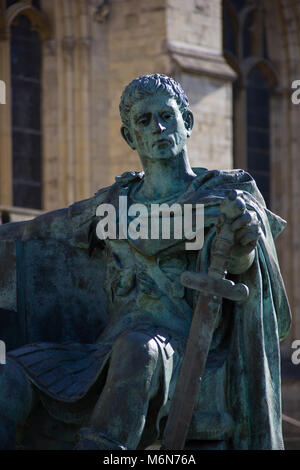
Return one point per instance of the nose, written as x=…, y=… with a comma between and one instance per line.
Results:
x=157, y=126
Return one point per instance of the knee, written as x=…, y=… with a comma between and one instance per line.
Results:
x=134, y=351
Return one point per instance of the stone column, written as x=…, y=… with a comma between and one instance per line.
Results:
x=99, y=101
x=50, y=126
x=75, y=94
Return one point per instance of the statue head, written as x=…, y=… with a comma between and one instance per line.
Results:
x=164, y=101
x=149, y=85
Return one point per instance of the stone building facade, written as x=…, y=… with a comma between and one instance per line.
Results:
x=90, y=49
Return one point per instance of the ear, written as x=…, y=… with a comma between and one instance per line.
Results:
x=188, y=118
x=126, y=134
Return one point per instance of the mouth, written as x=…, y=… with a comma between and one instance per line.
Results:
x=162, y=143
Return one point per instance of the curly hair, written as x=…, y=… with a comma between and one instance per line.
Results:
x=148, y=85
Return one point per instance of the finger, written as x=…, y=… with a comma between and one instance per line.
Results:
x=248, y=218
x=241, y=221
x=255, y=229
x=239, y=205
x=250, y=237
x=220, y=220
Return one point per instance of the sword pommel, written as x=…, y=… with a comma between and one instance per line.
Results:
x=233, y=205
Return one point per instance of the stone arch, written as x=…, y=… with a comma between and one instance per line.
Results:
x=246, y=51
x=37, y=18
x=265, y=66
x=26, y=104
x=40, y=23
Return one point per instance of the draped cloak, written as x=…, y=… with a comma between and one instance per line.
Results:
x=239, y=398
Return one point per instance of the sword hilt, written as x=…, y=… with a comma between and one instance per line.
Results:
x=232, y=207
x=220, y=287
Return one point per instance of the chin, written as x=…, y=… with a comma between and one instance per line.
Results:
x=166, y=154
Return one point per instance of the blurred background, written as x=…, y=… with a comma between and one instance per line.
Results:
x=65, y=64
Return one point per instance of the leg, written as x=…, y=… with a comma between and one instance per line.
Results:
x=17, y=399
x=133, y=379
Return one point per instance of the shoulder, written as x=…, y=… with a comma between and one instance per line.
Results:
x=88, y=205
x=222, y=176
x=220, y=180
x=105, y=194
x=83, y=213
x=129, y=177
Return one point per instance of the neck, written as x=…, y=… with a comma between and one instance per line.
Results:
x=164, y=177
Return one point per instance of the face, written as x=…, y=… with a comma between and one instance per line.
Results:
x=158, y=130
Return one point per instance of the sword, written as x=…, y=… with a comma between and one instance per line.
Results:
x=212, y=286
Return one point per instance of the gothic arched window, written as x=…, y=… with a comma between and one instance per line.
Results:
x=245, y=48
x=26, y=123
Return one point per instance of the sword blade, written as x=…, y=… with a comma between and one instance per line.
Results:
x=202, y=326
x=191, y=371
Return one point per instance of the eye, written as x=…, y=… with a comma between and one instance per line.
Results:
x=143, y=121
x=166, y=116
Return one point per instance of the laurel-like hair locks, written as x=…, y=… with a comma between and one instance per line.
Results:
x=148, y=85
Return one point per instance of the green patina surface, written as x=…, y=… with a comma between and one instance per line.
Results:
x=134, y=286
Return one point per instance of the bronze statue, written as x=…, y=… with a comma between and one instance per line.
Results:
x=118, y=390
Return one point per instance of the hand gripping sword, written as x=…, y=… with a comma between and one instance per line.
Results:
x=212, y=286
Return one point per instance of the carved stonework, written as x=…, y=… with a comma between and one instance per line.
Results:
x=85, y=42
x=195, y=59
x=68, y=44
x=50, y=47
x=38, y=19
x=101, y=12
